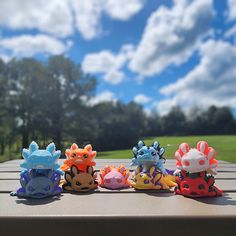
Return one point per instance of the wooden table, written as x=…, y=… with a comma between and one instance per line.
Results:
x=122, y=212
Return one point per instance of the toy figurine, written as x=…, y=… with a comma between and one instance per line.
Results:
x=80, y=157
x=150, y=173
x=114, y=178
x=147, y=157
x=39, y=184
x=41, y=175
x=153, y=179
x=195, y=169
x=35, y=158
x=80, y=181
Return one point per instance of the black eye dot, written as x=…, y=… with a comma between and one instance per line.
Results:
x=153, y=153
x=201, y=186
x=85, y=156
x=91, y=182
x=73, y=154
x=186, y=186
x=141, y=153
x=78, y=183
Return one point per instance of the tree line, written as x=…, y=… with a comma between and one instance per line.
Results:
x=45, y=101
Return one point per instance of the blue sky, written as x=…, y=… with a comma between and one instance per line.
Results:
x=157, y=53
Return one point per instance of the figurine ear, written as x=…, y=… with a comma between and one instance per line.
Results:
x=211, y=153
x=161, y=151
x=94, y=153
x=74, y=146
x=156, y=145
x=57, y=154
x=25, y=153
x=140, y=144
x=74, y=170
x=68, y=176
x=33, y=147
x=88, y=147
x=183, y=148
x=107, y=168
x=178, y=159
x=121, y=168
x=135, y=150
x=90, y=170
x=178, y=156
x=202, y=146
x=68, y=152
x=51, y=148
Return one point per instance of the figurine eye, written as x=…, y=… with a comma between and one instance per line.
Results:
x=141, y=153
x=146, y=181
x=153, y=153
x=31, y=189
x=186, y=186
x=186, y=163
x=85, y=156
x=201, y=186
x=135, y=180
x=78, y=183
x=73, y=155
x=47, y=188
x=91, y=182
x=201, y=162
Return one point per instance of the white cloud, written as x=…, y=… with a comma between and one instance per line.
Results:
x=230, y=32
x=57, y=17
x=28, y=45
x=171, y=35
x=212, y=82
x=106, y=96
x=108, y=63
x=142, y=99
x=232, y=9
x=123, y=9
x=52, y=16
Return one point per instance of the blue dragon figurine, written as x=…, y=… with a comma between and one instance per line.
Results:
x=148, y=156
x=39, y=184
x=41, y=159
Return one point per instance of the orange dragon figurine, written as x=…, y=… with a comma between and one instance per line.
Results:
x=80, y=157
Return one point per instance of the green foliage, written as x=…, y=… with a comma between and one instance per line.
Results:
x=223, y=144
x=48, y=101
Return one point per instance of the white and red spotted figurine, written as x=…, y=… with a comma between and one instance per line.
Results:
x=195, y=168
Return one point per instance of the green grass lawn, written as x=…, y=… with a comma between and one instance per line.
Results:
x=225, y=146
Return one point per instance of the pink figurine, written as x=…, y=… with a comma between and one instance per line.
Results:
x=114, y=178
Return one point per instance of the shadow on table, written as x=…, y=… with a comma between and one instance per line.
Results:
x=219, y=201
x=36, y=202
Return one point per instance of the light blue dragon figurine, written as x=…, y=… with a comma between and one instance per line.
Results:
x=41, y=159
x=148, y=156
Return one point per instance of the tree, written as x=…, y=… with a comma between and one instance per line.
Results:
x=174, y=123
x=67, y=85
x=119, y=125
